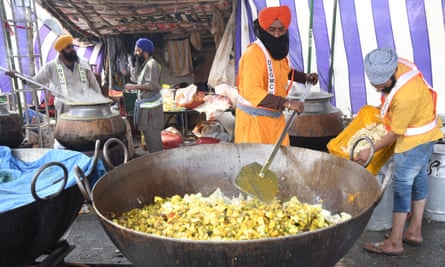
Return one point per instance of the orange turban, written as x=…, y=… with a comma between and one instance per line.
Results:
x=62, y=42
x=268, y=15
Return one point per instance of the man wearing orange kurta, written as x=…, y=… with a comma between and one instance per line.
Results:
x=263, y=77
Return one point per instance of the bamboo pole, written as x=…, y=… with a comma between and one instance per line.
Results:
x=311, y=19
x=331, y=62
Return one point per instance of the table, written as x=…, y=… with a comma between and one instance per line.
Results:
x=184, y=118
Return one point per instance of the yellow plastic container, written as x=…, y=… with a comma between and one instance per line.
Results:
x=366, y=115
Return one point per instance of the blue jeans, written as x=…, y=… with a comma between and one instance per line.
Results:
x=410, y=178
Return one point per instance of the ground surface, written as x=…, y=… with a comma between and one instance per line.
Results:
x=93, y=247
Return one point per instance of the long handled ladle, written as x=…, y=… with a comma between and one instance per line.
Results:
x=29, y=79
x=258, y=181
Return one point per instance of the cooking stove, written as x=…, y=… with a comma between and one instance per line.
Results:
x=56, y=258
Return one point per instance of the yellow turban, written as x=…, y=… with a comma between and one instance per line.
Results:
x=268, y=15
x=62, y=42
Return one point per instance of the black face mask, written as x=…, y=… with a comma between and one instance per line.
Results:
x=277, y=47
x=72, y=57
x=388, y=89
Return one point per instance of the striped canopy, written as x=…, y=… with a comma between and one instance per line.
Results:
x=94, y=53
x=344, y=33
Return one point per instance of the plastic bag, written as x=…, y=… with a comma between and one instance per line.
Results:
x=214, y=106
x=189, y=97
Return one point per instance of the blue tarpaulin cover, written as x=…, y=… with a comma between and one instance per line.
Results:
x=16, y=175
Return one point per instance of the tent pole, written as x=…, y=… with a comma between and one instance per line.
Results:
x=331, y=63
x=311, y=18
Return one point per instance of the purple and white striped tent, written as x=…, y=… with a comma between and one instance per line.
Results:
x=94, y=53
x=345, y=32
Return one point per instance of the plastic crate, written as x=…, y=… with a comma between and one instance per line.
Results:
x=366, y=115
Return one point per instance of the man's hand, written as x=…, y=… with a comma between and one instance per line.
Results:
x=312, y=78
x=295, y=105
x=130, y=87
x=362, y=156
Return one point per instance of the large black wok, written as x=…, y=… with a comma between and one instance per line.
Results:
x=310, y=175
x=29, y=231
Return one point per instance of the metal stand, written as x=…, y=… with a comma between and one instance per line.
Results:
x=56, y=258
x=20, y=20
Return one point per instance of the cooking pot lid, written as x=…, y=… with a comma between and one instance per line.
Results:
x=93, y=102
x=312, y=95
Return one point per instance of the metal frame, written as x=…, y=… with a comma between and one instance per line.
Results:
x=24, y=54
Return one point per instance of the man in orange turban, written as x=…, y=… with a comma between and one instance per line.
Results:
x=263, y=77
x=268, y=16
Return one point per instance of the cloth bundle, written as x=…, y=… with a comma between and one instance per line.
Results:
x=15, y=189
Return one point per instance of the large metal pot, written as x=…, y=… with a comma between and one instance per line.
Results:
x=319, y=122
x=84, y=123
x=311, y=175
x=30, y=231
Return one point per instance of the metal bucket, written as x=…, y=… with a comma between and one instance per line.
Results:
x=381, y=218
x=435, y=205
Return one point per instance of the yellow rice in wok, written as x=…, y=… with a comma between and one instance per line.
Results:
x=219, y=218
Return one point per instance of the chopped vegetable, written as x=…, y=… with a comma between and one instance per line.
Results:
x=220, y=218
x=375, y=131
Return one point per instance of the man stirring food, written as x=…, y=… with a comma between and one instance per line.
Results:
x=263, y=77
x=69, y=78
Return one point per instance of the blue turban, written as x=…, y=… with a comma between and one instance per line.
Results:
x=145, y=44
x=380, y=65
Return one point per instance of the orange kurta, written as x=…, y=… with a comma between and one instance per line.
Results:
x=252, y=85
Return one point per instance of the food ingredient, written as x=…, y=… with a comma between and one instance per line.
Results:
x=375, y=131
x=218, y=217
